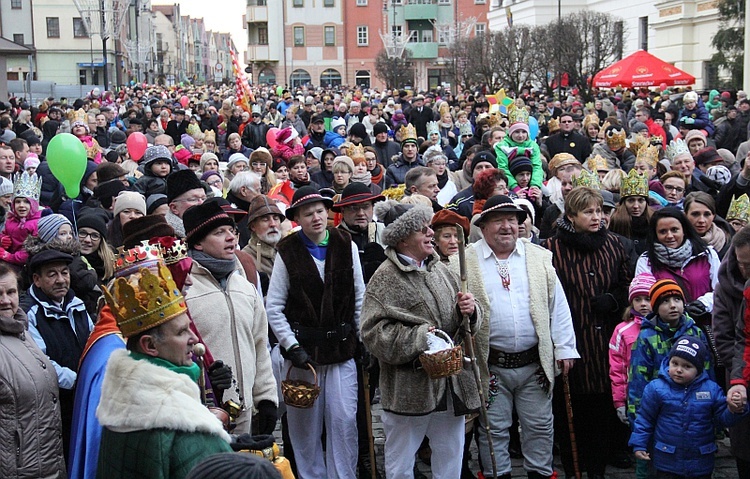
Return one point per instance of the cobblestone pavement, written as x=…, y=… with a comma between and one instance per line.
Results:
x=725, y=465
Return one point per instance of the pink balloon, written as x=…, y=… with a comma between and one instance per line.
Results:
x=271, y=137
x=663, y=86
x=137, y=144
x=184, y=101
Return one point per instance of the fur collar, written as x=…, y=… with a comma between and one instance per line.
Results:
x=138, y=395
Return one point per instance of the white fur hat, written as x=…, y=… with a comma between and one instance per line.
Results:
x=401, y=220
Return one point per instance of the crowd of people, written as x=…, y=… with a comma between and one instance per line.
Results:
x=147, y=325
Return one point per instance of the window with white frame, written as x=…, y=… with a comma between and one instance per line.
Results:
x=444, y=36
x=329, y=36
x=444, y=2
x=414, y=36
x=299, y=36
x=397, y=30
x=361, y=3
x=427, y=36
x=363, y=37
x=479, y=29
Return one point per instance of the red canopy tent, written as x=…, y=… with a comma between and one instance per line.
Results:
x=641, y=69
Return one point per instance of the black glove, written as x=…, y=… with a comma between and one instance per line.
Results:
x=220, y=376
x=362, y=356
x=253, y=443
x=299, y=357
x=266, y=417
x=696, y=310
x=604, y=304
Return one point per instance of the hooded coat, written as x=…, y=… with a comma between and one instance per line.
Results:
x=30, y=426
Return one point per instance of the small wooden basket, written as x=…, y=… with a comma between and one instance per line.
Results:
x=299, y=393
x=445, y=363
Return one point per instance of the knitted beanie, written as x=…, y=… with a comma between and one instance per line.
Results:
x=235, y=158
x=6, y=186
x=345, y=160
x=32, y=161
x=640, y=286
x=519, y=165
x=518, y=126
x=49, y=226
x=663, y=289
x=154, y=201
x=691, y=349
x=234, y=466
x=129, y=200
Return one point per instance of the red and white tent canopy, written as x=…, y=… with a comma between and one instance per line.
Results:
x=641, y=69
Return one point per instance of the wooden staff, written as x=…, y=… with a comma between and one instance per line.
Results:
x=368, y=415
x=569, y=410
x=469, y=347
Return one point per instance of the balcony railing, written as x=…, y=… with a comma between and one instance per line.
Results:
x=426, y=10
x=423, y=50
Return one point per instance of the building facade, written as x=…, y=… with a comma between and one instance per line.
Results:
x=677, y=31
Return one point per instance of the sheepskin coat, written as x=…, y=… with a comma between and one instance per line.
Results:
x=154, y=423
x=401, y=304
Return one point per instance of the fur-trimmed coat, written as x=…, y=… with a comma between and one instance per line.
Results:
x=154, y=423
x=401, y=304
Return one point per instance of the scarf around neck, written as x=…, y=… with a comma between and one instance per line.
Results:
x=715, y=237
x=589, y=242
x=365, y=178
x=674, y=257
x=192, y=371
x=219, y=268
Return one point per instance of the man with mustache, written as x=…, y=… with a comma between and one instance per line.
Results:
x=264, y=220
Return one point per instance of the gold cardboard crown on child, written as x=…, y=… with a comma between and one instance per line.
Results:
x=27, y=186
x=144, y=300
x=739, y=209
x=635, y=184
x=356, y=151
x=553, y=125
x=648, y=154
x=592, y=119
x=518, y=115
x=589, y=179
x=597, y=163
x=656, y=140
x=616, y=139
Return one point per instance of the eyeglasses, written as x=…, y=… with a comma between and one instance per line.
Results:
x=215, y=182
x=677, y=189
x=241, y=167
x=566, y=121
x=93, y=236
x=258, y=164
x=193, y=200
x=426, y=230
x=366, y=206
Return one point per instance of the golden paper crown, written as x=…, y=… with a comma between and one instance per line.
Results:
x=494, y=120
x=553, y=125
x=134, y=259
x=173, y=250
x=77, y=115
x=395, y=192
x=210, y=136
x=597, y=163
x=635, y=184
x=27, y=186
x=591, y=119
x=676, y=148
x=616, y=139
x=656, y=140
x=408, y=133
x=648, y=154
x=518, y=115
x=356, y=151
x=444, y=108
x=739, y=209
x=432, y=127
x=144, y=300
x=605, y=125
x=637, y=143
x=589, y=179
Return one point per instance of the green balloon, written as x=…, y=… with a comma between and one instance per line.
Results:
x=66, y=157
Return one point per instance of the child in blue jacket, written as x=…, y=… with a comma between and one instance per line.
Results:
x=678, y=414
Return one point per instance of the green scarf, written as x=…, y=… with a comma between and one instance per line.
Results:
x=192, y=371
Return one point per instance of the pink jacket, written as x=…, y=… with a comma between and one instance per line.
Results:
x=620, y=347
x=18, y=233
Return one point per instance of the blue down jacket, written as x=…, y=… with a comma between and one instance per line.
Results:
x=680, y=423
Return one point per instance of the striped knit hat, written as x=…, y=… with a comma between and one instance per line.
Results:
x=663, y=289
x=640, y=286
x=49, y=225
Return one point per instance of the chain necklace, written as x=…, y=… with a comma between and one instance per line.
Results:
x=504, y=272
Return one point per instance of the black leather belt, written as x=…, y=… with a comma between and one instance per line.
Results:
x=322, y=335
x=513, y=360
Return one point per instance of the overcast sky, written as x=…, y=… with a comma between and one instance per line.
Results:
x=218, y=15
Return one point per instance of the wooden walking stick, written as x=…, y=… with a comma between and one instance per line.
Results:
x=368, y=416
x=569, y=410
x=469, y=347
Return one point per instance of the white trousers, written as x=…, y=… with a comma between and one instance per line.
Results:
x=404, y=434
x=336, y=410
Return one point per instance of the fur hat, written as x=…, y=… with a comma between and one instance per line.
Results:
x=143, y=229
x=641, y=285
x=401, y=220
x=692, y=350
x=180, y=182
x=49, y=226
x=106, y=192
x=261, y=154
x=129, y=200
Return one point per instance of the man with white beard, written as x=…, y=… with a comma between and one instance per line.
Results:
x=264, y=220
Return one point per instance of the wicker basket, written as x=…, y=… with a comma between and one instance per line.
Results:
x=445, y=363
x=299, y=393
